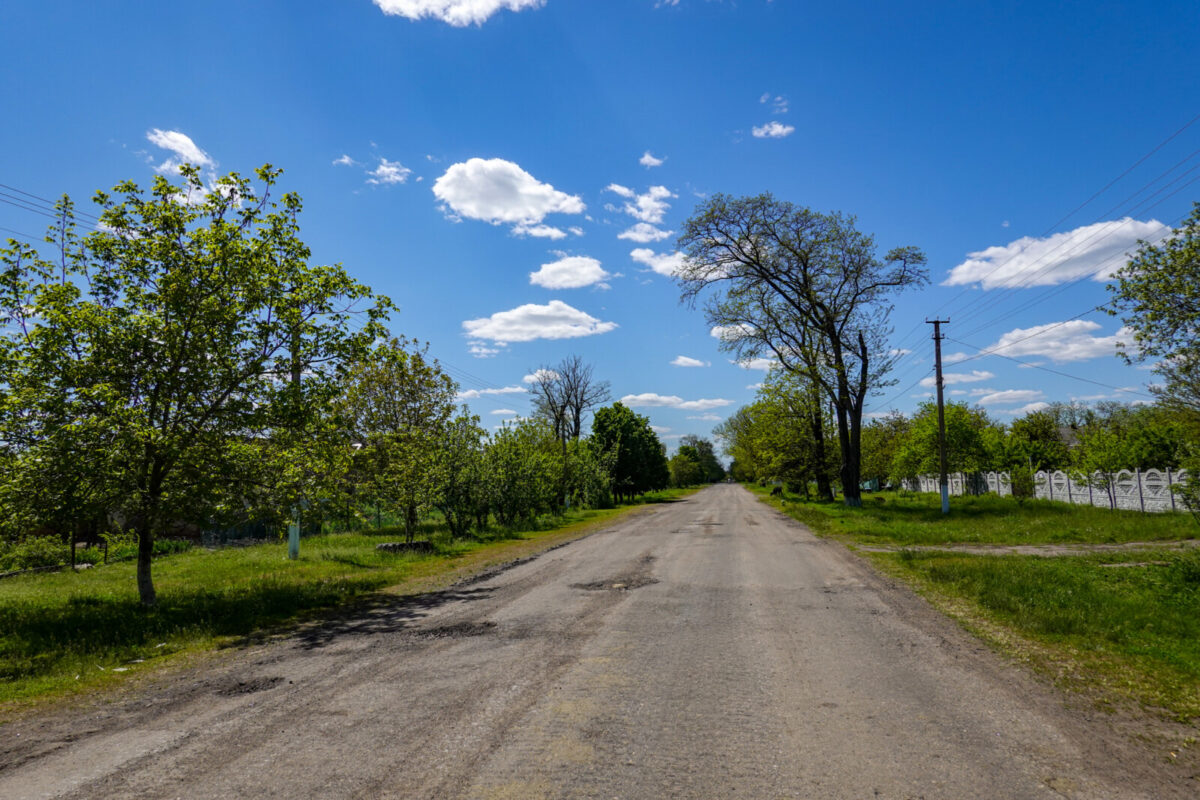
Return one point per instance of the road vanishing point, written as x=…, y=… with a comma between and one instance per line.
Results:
x=711, y=648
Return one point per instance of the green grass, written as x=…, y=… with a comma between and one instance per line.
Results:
x=61, y=632
x=1124, y=633
x=889, y=518
x=1131, y=631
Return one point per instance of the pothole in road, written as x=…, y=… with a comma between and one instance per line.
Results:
x=459, y=630
x=249, y=686
x=622, y=583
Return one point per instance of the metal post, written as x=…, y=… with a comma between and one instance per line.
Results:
x=943, y=478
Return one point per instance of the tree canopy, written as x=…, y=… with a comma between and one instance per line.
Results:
x=804, y=288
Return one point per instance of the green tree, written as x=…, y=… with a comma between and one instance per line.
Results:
x=187, y=328
x=806, y=288
x=880, y=439
x=966, y=443
x=636, y=458
x=461, y=484
x=705, y=456
x=398, y=405
x=1033, y=443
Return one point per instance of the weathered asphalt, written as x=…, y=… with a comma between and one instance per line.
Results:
x=710, y=649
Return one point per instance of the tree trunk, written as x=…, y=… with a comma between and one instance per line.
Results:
x=145, y=582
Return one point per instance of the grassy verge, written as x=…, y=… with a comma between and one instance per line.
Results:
x=65, y=632
x=1124, y=626
x=888, y=518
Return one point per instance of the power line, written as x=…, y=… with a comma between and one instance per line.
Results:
x=1056, y=372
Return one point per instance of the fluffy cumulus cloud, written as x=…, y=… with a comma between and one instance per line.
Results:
x=731, y=333
x=1061, y=341
x=643, y=232
x=663, y=263
x=1092, y=251
x=183, y=150
x=453, y=12
x=950, y=378
x=473, y=394
x=387, y=173
x=649, y=206
x=1010, y=396
x=555, y=320
x=773, y=130
x=652, y=400
x=647, y=160
x=684, y=361
x=571, y=272
x=500, y=192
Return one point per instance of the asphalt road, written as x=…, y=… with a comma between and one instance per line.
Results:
x=710, y=649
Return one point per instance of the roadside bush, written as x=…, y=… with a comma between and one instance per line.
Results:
x=1023, y=486
x=35, y=551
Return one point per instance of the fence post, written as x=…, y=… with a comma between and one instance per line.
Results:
x=1091, y=500
x=1070, y=499
x=1170, y=491
x=1141, y=498
x=1050, y=482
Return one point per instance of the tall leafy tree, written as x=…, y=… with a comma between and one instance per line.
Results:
x=167, y=344
x=625, y=442
x=967, y=440
x=806, y=288
x=398, y=403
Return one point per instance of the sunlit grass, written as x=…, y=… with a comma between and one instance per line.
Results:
x=65, y=630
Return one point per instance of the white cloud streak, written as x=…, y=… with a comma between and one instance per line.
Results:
x=1092, y=251
x=555, y=320
x=1061, y=342
x=652, y=400
x=685, y=361
x=184, y=149
x=458, y=13
x=951, y=378
x=773, y=130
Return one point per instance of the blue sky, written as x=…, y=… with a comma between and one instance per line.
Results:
x=510, y=171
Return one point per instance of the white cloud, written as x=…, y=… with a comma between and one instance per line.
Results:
x=1092, y=251
x=707, y=417
x=472, y=394
x=648, y=160
x=773, y=130
x=950, y=378
x=659, y=429
x=765, y=364
x=643, y=232
x=507, y=412
x=555, y=320
x=649, y=207
x=388, y=172
x=184, y=149
x=1061, y=342
x=954, y=358
x=729, y=333
x=539, y=375
x=652, y=400
x=453, y=12
x=1009, y=396
x=684, y=361
x=570, y=272
x=663, y=263
x=1027, y=409
x=779, y=103
x=899, y=352
x=345, y=161
x=498, y=191
x=481, y=350
x=755, y=387
x=542, y=231
x=575, y=230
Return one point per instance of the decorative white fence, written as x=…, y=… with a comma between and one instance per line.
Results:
x=1139, y=490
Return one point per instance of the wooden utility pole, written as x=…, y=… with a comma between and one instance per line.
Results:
x=943, y=477
x=294, y=525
